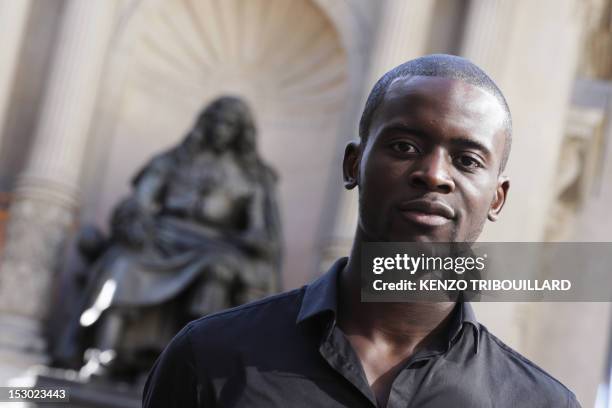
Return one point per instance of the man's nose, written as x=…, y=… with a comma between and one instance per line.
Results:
x=432, y=172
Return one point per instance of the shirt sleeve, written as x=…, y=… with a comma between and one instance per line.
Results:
x=173, y=382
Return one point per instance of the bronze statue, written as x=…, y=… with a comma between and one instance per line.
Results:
x=200, y=233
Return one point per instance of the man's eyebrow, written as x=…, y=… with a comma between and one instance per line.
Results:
x=465, y=142
x=400, y=127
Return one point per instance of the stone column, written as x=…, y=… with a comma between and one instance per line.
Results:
x=403, y=32
x=487, y=30
x=13, y=15
x=47, y=195
x=403, y=35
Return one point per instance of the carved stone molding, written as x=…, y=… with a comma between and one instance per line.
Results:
x=37, y=230
x=577, y=169
x=597, y=55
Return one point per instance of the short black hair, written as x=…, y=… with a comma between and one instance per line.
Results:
x=436, y=65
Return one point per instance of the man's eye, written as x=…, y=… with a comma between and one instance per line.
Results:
x=469, y=162
x=404, y=147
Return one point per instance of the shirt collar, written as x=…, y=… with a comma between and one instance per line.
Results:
x=321, y=296
x=465, y=315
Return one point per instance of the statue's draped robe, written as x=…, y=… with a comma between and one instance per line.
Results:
x=203, y=213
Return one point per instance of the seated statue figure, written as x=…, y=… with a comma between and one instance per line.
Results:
x=199, y=233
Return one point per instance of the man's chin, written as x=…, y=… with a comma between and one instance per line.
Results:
x=423, y=239
x=413, y=234
x=430, y=236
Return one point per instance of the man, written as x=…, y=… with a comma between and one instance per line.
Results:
x=434, y=140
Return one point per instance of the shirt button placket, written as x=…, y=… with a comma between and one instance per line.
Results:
x=402, y=389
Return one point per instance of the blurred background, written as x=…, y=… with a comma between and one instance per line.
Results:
x=91, y=89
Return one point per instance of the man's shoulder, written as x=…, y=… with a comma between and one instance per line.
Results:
x=520, y=373
x=275, y=312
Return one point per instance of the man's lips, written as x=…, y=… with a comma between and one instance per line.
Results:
x=427, y=212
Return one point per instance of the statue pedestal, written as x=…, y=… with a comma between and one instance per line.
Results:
x=92, y=394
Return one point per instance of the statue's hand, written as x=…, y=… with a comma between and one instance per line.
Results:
x=254, y=242
x=131, y=224
x=138, y=232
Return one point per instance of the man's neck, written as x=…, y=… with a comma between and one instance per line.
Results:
x=401, y=325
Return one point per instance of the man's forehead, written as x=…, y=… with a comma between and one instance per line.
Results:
x=433, y=86
x=408, y=94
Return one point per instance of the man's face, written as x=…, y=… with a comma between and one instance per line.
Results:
x=429, y=171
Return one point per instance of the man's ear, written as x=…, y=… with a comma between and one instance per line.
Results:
x=501, y=193
x=350, y=165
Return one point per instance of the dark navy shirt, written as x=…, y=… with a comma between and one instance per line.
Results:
x=287, y=351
